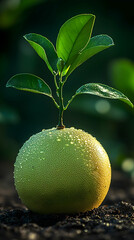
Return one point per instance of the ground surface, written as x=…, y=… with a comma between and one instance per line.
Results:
x=114, y=219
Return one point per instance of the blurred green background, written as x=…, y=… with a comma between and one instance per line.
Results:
x=23, y=114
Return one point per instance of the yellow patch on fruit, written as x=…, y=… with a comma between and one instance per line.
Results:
x=62, y=171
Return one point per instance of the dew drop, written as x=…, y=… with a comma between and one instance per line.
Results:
x=58, y=139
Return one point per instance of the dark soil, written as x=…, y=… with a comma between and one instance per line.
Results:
x=114, y=219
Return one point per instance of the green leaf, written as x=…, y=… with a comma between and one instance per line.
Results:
x=95, y=45
x=44, y=49
x=103, y=91
x=73, y=37
x=30, y=83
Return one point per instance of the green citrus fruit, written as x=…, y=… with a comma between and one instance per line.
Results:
x=62, y=171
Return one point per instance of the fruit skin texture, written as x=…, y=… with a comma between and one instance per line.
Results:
x=62, y=171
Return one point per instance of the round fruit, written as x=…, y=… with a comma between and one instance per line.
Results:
x=62, y=171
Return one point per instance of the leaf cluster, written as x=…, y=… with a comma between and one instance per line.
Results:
x=74, y=46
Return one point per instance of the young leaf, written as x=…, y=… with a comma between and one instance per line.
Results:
x=95, y=45
x=73, y=37
x=44, y=49
x=101, y=90
x=29, y=82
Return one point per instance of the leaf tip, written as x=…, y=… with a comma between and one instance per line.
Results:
x=89, y=14
x=94, y=16
x=112, y=42
x=26, y=36
x=130, y=103
x=8, y=84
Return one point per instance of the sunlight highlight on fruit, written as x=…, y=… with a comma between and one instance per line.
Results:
x=62, y=171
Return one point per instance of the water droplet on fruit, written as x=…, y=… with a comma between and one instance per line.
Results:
x=58, y=139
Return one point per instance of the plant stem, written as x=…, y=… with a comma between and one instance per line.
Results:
x=61, y=105
x=69, y=102
x=56, y=104
x=55, y=82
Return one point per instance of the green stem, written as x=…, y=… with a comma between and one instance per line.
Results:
x=55, y=82
x=69, y=102
x=56, y=104
x=61, y=105
x=64, y=80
